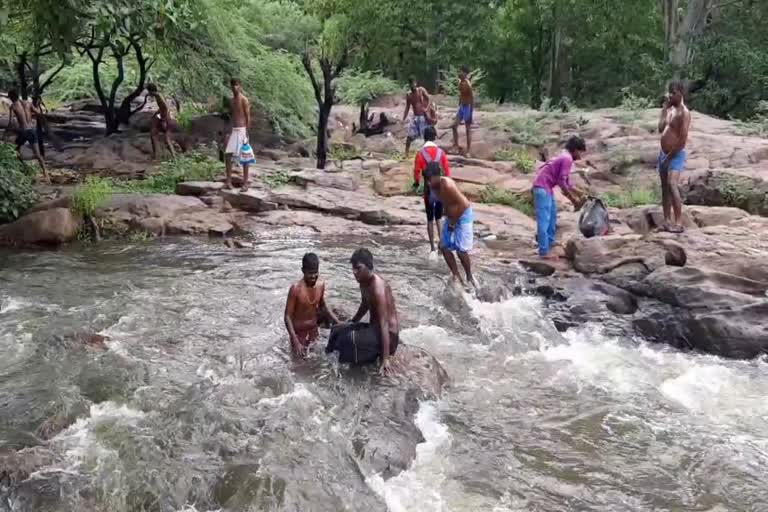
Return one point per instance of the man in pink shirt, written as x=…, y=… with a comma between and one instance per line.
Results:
x=555, y=173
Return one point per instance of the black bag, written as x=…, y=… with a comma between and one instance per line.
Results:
x=356, y=343
x=594, y=219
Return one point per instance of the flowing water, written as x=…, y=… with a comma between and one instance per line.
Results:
x=197, y=406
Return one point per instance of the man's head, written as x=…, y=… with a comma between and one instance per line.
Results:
x=152, y=89
x=310, y=266
x=676, y=92
x=235, y=85
x=430, y=134
x=576, y=147
x=412, y=84
x=13, y=95
x=464, y=72
x=432, y=175
x=362, y=265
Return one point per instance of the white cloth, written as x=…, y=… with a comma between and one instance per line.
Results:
x=237, y=138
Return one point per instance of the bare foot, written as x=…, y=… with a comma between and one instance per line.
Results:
x=550, y=257
x=245, y=187
x=676, y=229
x=227, y=186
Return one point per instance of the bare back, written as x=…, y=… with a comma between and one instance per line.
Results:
x=370, y=297
x=162, y=108
x=675, y=134
x=23, y=114
x=239, y=108
x=454, y=202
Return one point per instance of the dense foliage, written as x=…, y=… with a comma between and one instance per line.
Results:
x=16, y=193
x=292, y=54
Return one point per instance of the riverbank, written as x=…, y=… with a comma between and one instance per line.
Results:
x=704, y=289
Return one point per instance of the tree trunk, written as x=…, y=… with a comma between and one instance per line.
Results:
x=688, y=31
x=322, y=135
x=21, y=76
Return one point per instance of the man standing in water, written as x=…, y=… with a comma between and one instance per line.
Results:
x=161, y=122
x=432, y=205
x=240, y=110
x=306, y=308
x=363, y=343
x=674, y=123
x=418, y=100
x=457, y=234
x=27, y=131
x=466, y=110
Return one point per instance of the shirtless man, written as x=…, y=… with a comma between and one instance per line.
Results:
x=27, y=131
x=418, y=100
x=674, y=123
x=306, y=307
x=466, y=110
x=161, y=122
x=240, y=109
x=457, y=234
x=364, y=343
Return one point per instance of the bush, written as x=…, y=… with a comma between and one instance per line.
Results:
x=89, y=196
x=519, y=201
x=449, y=82
x=16, y=193
x=189, y=112
x=523, y=160
x=631, y=198
x=356, y=87
x=523, y=130
x=194, y=166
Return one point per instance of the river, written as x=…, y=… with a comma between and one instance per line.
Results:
x=196, y=403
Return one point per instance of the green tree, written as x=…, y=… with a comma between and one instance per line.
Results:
x=361, y=88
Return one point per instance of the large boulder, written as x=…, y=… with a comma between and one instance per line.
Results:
x=52, y=226
x=719, y=188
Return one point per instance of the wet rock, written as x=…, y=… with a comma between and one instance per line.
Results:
x=538, y=267
x=53, y=226
x=17, y=466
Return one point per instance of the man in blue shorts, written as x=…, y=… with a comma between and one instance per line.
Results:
x=466, y=110
x=457, y=233
x=674, y=123
x=418, y=100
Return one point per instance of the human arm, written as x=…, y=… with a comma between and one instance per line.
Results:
x=11, y=113
x=446, y=165
x=663, y=115
x=380, y=299
x=418, y=167
x=362, y=310
x=327, y=310
x=290, y=308
x=407, y=107
x=681, y=123
x=247, y=112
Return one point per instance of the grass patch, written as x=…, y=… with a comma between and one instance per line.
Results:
x=517, y=200
x=341, y=152
x=631, y=198
x=189, y=112
x=521, y=158
x=622, y=160
x=16, y=192
x=91, y=195
x=193, y=166
x=277, y=179
x=523, y=130
x=633, y=106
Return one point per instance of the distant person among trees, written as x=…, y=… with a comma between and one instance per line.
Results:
x=162, y=123
x=430, y=153
x=26, y=132
x=555, y=173
x=674, y=123
x=457, y=233
x=240, y=110
x=466, y=110
x=418, y=100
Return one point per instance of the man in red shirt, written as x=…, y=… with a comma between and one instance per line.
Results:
x=430, y=153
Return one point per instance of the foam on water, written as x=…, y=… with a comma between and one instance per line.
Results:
x=418, y=488
x=9, y=304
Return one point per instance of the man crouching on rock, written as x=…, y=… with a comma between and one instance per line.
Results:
x=363, y=343
x=305, y=308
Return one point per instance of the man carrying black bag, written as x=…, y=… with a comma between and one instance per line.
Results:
x=363, y=343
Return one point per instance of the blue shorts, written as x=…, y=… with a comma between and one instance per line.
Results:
x=677, y=164
x=464, y=115
x=460, y=238
x=417, y=127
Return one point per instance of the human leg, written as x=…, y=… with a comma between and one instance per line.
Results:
x=676, y=199
x=467, y=265
x=552, y=229
x=542, y=209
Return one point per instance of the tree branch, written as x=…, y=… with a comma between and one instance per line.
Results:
x=306, y=61
x=51, y=77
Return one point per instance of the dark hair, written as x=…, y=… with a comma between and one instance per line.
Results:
x=152, y=88
x=363, y=256
x=234, y=81
x=412, y=80
x=430, y=134
x=13, y=95
x=575, y=143
x=465, y=69
x=310, y=261
x=676, y=85
x=433, y=169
